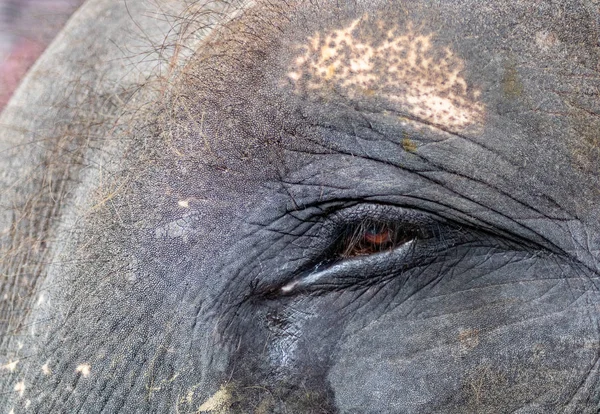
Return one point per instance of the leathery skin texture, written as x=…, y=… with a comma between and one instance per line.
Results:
x=305, y=207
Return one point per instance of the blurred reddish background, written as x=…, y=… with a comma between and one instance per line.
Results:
x=26, y=29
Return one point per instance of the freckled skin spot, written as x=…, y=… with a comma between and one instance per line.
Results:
x=546, y=40
x=84, y=370
x=11, y=366
x=46, y=369
x=397, y=64
x=219, y=402
x=20, y=388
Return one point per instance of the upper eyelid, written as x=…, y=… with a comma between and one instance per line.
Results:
x=446, y=212
x=431, y=220
x=379, y=213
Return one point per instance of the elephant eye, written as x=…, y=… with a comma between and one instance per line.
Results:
x=369, y=243
x=370, y=237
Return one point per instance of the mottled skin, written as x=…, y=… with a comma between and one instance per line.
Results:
x=178, y=178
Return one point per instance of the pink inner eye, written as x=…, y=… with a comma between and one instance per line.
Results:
x=377, y=236
x=369, y=238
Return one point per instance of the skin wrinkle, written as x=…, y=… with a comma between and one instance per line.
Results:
x=595, y=366
x=495, y=285
x=65, y=365
x=470, y=178
x=64, y=160
x=542, y=237
x=438, y=168
x=444, y=345
x=374, y=198
x=255, y=260
x=393, y=305
x=553, y=201
x=469, y=198
x=530, y=319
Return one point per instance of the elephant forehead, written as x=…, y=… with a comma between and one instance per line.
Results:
x=399, y=64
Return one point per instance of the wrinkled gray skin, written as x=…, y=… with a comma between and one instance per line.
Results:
x=177, y=179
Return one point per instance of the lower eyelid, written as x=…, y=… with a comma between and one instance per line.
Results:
x=329, y=276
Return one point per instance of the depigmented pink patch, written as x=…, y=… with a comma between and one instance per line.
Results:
x=371, y=58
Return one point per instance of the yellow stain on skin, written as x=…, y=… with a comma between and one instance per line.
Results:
x=20, y=388
x=11, y=366
x=84, y=370
x=408, y=144
x=401, y=65
x=219, y=402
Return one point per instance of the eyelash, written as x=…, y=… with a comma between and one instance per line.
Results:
x=373, y=236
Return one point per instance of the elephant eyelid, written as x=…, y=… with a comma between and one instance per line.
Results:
x=353, y=271
x=369, y=243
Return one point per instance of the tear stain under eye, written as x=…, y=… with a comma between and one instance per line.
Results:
x=355, y=264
